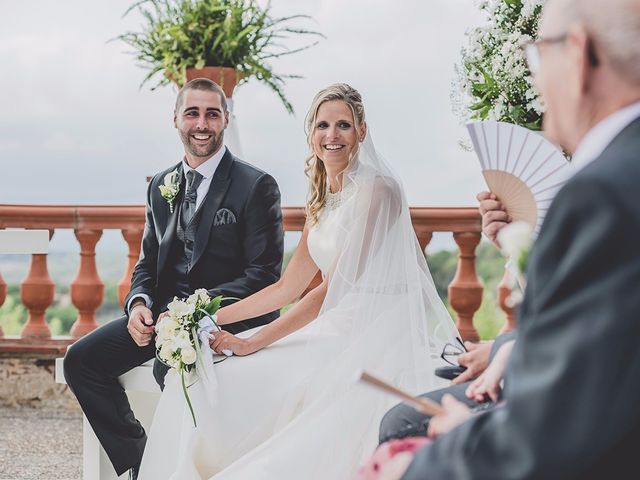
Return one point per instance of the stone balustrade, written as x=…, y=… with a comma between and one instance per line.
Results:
x=87, y=289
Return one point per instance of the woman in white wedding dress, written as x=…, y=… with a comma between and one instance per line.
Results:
x=286, y=405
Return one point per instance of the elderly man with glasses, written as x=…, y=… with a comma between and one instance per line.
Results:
x=572, y=388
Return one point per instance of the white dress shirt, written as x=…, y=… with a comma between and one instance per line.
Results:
x=602, y=134
x=207, y=170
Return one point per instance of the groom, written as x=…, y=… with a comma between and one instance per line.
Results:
x=222, y=231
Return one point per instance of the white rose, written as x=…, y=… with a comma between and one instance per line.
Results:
x=515, y=238
x=203, y=295
x=199, y=296
x=182, y=340
x=188, y=355
x=192, y=299
x=180, y=308
x=166, y=352
x=166, y=327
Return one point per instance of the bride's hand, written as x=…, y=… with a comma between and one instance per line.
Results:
x=226, y=341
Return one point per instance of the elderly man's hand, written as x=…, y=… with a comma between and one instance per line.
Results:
x=488, y=385
x=455, y=413
x=494, y=216
x=476, y=359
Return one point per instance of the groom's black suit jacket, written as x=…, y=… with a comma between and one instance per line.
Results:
x=573, y=382
x=234, y=259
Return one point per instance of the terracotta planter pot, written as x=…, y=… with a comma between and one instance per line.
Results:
x=226, y=77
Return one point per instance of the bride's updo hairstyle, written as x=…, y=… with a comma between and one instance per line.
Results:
x=314, y=167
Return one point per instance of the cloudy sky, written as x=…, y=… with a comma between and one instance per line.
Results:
x=75, y=128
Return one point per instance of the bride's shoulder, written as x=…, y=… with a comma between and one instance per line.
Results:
x=381, y=187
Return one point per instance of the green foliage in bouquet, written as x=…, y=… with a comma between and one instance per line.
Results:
x=239, y=34
x=493, y=81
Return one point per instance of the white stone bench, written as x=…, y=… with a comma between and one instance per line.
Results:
x=18, y=241
x=143, y=393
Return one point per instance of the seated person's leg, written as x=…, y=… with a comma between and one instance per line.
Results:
x=404, y=421
x=92, y=366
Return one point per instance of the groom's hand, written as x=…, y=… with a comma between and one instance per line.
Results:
x=140, y=324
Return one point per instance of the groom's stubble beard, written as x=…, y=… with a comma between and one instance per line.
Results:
x=206, y=150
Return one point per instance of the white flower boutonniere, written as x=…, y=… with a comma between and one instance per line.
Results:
x=170, y=189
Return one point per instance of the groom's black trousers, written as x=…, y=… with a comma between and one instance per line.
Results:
x=92, y=366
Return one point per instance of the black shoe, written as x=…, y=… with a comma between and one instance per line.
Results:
x=133, y=472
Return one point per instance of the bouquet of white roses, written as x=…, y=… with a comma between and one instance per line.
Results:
x=183, y=334
x=493, y=81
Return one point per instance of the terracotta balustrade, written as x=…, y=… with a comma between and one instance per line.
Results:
x=37, y=289
x=36, y=293
x=133, y=237
x=465, y=291
x=87, y=289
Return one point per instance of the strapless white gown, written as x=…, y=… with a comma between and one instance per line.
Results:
x=278, y=413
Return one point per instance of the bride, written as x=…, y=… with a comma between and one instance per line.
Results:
x=286, y=404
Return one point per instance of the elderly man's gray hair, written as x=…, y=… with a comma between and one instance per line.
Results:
x=614, y=26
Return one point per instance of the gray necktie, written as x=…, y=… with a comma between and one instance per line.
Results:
x=189, y=203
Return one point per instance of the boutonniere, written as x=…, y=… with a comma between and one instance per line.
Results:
x=170, y=189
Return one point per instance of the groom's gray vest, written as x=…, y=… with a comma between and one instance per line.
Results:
x=179, y=260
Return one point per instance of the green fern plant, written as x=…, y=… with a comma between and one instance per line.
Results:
x=239, y=34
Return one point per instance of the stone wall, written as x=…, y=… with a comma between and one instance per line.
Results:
x=30, y=382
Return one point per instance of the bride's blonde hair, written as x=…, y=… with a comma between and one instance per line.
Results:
x=314, y=167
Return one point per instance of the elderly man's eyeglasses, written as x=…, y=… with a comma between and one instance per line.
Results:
x=532, y=51
x=451, y=351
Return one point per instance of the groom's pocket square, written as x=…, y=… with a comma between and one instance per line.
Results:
x=224, y=216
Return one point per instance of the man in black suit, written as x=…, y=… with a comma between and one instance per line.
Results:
x=222, y=231
x=573, y=381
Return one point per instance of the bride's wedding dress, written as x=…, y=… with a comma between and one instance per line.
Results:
x=294, y=410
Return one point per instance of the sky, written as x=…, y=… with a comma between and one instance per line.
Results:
x=76, y=128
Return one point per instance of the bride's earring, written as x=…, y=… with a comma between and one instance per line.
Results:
x=363, y=134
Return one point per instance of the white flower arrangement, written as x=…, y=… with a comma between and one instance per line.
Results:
x=169, y=190
x=493, y=82
x=181, y=335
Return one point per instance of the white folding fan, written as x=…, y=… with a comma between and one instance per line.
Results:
x=521, y=167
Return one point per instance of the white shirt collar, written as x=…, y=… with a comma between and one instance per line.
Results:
x=602, y=134
x=208, y=168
